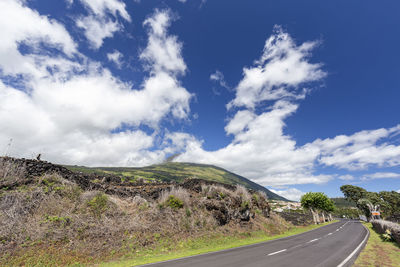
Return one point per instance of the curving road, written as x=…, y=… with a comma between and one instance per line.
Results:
x=337, y=244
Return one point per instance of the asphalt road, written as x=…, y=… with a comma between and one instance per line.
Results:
x=337, y=244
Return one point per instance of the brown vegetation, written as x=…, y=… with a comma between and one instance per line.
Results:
x=45, y=206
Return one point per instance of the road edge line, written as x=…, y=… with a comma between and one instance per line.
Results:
x=357, y=248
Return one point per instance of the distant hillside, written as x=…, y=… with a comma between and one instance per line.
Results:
x=341, y=202
x=175, y=171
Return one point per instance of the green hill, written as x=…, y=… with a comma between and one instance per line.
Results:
x=175, y=171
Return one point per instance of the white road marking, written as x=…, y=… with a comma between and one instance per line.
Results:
x=330, y=233
x=313, y=240
x=273, y=253
x=356, y=250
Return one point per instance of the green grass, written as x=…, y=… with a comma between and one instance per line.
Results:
x=378, y=252
x=167, y=251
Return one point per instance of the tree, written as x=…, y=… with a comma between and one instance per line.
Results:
x=366, y=207
x=353, y=193
x=391, y=202
x=387, y=202
x=317, y=202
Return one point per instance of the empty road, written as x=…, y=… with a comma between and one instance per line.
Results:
x=337, y=244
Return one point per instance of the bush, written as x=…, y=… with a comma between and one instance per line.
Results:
x=177, y=192
x=243, y=193
x=174, y=202
x=11, y=172
x=98, y=204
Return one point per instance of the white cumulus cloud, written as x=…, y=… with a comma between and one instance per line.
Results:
x=380, y=175
x=346, y=177
x=103, y=20
x=78, y=112
x=260, y=149
x=116, y=58
x=278, y=74
x=290, y=193
x=360, y=150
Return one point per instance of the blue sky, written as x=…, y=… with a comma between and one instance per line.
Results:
x=296, y=95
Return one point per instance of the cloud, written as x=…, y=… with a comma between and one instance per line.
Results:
x=163, y=52
x=346, y=177
x=290, y=193
x=380, y=175
x=278, y=74
x=398, y=191
x=218, y=77
x=102, y=21
x=115, y=57
x=260, y=150
x=360, y=150
x=33, y=30
x=77, y=111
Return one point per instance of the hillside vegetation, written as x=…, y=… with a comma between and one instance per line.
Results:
x=178, y=172
x=52, y=216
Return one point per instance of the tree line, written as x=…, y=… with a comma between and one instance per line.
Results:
x=386, y=202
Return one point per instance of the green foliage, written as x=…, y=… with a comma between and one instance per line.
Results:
x=188, y=212
x=98, y=204
x=365, y=206
x=341, y=202
x=245, y=205
x=353, y=193
x=317, y=201
x=62, y=221
x=174, y=202
x=389, y=202
x=256, y=198
x=347, y=212
x=144, y=206
x=387, y=236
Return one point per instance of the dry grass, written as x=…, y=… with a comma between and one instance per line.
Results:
x=262, y=194
x=52, y=212
x=243, y=192
x=216, y=191
x=179, y=192
x=11, y=172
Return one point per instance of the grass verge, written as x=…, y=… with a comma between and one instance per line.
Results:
x=378, y=252
x=165, y=251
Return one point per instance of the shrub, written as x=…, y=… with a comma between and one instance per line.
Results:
x=245, y=205
x=387, y=236
x=98, y=204
x=243, y=192
x=215, y=191
x=11, y=172
x=178, y=192
x=61, y=221
x=174, y=202
x=188, y=212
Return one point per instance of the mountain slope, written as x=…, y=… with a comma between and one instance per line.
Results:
x=176, y=171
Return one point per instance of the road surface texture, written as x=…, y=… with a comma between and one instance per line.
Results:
x=336, y=244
